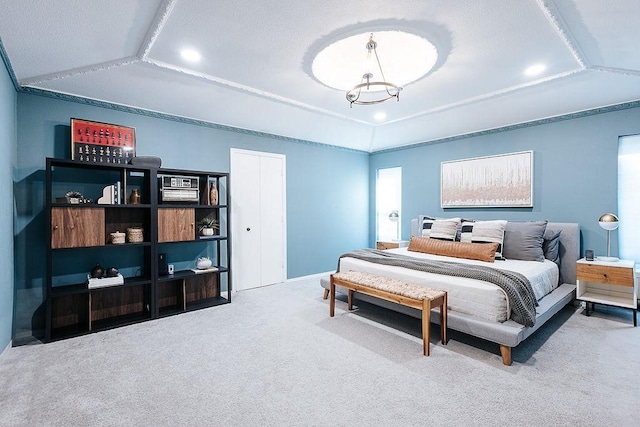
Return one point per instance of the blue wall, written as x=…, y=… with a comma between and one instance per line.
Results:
x=327, y=187
x=7, y=145
x=330, y=191
x=575, y=172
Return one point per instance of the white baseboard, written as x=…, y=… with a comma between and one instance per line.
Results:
x=311, y=276
x=6, y=348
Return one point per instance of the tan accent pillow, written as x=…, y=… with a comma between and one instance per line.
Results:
x=478, y=251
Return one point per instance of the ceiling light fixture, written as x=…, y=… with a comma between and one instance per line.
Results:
x=534, y=70
x=190, y=55
x=380, y=116
x=405, y=58
x=369, y=97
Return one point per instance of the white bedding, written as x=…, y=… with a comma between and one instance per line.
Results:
x=475, y=297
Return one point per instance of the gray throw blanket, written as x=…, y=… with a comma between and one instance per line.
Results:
x=522, y=299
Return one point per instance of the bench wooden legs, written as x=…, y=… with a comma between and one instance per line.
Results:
x=426, y=325
x=332, y=298
x=426, y=321
x=440, y=301
x=427, y=304
x=443, y=320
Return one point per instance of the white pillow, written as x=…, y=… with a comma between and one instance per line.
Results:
x=485, y=232
x=442, y=229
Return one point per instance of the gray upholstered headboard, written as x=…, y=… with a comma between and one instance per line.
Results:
x=569, y=246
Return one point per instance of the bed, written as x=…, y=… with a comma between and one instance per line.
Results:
x=479, y=308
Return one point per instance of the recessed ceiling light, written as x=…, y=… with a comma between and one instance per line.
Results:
x=380, y=116
x=534, y=70
x=190, y=55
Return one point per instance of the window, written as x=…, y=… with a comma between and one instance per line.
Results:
x=629, y=196
x=388, y=204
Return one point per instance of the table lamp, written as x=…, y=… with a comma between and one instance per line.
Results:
x=394, y=216
x=609, y=222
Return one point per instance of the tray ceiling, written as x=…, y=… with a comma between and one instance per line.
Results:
x=255, y=66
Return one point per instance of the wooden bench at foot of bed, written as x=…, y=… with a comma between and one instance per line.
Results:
x=408, y=294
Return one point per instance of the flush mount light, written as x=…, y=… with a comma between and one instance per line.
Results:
x=190, y=55
x=534, y=70
x=404, y=58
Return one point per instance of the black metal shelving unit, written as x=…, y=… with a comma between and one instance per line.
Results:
x=78, y=231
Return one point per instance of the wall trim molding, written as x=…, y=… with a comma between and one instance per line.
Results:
x=202, y=123
x=174, y=118
x=7, y=64
x=310, y=277
x=4, y=351
x=548, y=120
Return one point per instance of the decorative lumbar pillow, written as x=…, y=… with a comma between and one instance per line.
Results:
x=478, y=251
x=523, y=240
x=443, y=229
x=484, y=232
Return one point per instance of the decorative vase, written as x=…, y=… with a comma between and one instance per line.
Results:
x=207, y=231
x=213, y=195
x=134, y=198
x=203, y=263
x=96, y=271
x=112, y=272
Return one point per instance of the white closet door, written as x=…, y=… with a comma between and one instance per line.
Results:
x=258, y=219
x=272, y=220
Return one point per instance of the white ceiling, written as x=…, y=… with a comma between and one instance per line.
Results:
x=255, y=71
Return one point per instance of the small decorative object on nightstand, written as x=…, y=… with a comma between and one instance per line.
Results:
x=394, y=216
x=609, y=283
x=392, y=244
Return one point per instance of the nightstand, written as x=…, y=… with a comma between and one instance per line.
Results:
x=391, y=244
x=608, y=283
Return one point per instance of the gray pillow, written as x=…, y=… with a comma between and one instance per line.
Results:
x=523, y=240
x=551, y=246
x=551, y=249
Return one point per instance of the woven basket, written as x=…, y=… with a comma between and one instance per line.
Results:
x=135, y=234
x=117, y=238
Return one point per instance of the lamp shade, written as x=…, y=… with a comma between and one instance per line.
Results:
x=609, y=221
x=394, y=216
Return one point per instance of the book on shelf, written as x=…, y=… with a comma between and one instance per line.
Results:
x=118, y=193
x=102, y=282
x=204, y=270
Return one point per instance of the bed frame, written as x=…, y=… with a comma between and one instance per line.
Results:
x=507, y=334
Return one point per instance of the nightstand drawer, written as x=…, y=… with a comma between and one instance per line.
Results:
x=606, y=274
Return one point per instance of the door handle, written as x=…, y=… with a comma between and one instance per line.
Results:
x=248, y=228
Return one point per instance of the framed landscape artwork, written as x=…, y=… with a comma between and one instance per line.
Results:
x=504, y=180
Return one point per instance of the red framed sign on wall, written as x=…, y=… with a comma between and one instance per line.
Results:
x=95, y=142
